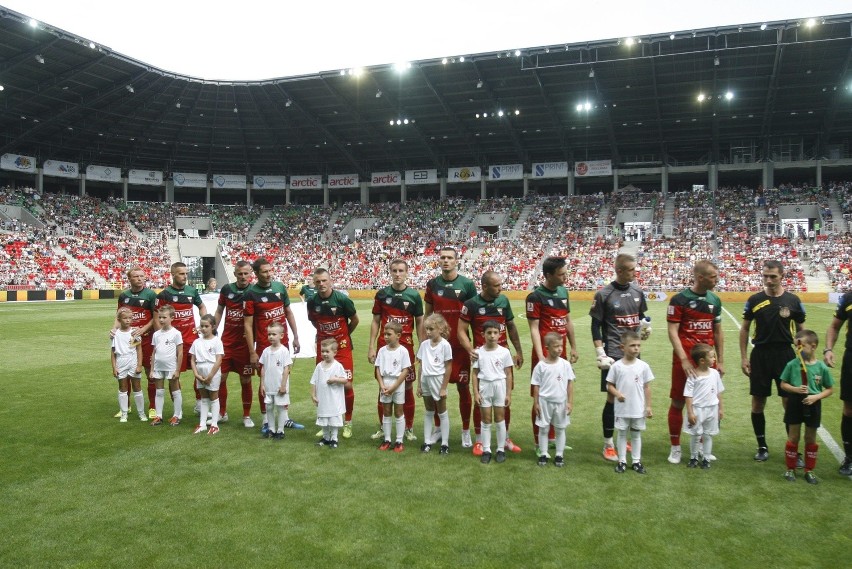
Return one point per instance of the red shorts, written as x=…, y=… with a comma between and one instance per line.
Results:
x=461, y=367
x=237, y=360
x=345, y=359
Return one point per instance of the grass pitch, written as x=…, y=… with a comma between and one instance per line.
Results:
x=82, y=490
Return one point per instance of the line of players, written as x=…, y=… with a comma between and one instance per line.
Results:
x=694, y=316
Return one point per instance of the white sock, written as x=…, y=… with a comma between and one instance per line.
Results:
x=326, y=433
x=282, y=412
x=636, y=451
x=708, y=445
x=122, y=402
x=621, y=446
x=333, y=434
x=560, y=442
x=400, y=428
x=501, y=436
x=485, y=437
x=608, y=442
x=203, y=410
x=428, y=419
x=177, y=397
x=445, y=428
x=694, y=443
x=159, y=397
x=139, y=399
x=284, y=416
x=269, y=417
x=214, y=411
x=542, y=440
x=387, y=426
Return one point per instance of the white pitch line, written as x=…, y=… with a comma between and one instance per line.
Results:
x=821, y=431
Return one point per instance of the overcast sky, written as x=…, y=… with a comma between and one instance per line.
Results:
x=261, y=39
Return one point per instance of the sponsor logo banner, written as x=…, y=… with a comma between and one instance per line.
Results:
x=385, y=179
x=506, y=172
x=343, y=181
x=229, y=181
x=189, y=180
x=550, y=170
x=61, y=169
x=18, y=163
x=145, y=177
x=103, y=173
x=312, y=182
x=415, y=177
x=270, y=182
x=593, y=168
x=464, y=174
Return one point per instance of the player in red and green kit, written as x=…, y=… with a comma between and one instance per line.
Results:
x=265, y=302
x=140, y=300
x=182, y=297
x=548, y=310
x=236, y=359
x=490, y=305
x=401, y=304
x=446, y=295
x=333, y=315
x=694, y=317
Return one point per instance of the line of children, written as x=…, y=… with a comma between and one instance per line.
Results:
x=553, y=398
x=703, y=395
x=436, y=365
x=275, y=362
x=493, y=381
x=808, y=381
x=206, y=356
x=328, y=392
x=392, y=365
x=126, y=358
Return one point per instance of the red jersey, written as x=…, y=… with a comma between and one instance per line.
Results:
x=447, y=299
x=233, y=330
x=330, y=316
x=400, y=306
x=266, y=305
x=696, y=316
x=182, y=300
x=141, y=304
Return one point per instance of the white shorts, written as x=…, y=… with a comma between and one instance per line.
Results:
x=707, y=421
x=634, y=424
x=336, y=421
x=162, y=373
x=277, y=399
x=492, y=393
x=213, y=385
x=552, y=413
x=397, y=397
x=431, y=386
x=128, y=370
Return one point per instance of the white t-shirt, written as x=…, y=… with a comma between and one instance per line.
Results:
x=433, y=359
x=492, y=364
x=205, y=352
x=552, y=379
x=274, y=363
x=331, y=397
x=630, y=380
x=165, y=343
x=391, y=362
x=704, y=389
x=125, y=349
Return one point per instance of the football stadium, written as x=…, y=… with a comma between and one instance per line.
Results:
x=606, y=251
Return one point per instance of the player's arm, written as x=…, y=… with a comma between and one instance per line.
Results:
x=220, y=310
x=419, y=374
x=719, y=341
x=427, y=308
x=448, y=371
x=744, y=333
x=418, y=327
x=680, y=353
x=535, y=336
x=830, y=339
x=510, y=384
x=375, y=324
x=512, y=331
x=179, y=355
x=353, y=322
x=291, y=320
x=139, y=363
x=572, y=341
x=248, y=325
x=463, y=334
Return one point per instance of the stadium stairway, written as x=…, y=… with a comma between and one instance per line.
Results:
x=630, y=248
x=522, y=219
x=174, y=250
x=818, y=283
x=668, y=216
x=258, y=224
x=837, y=215
x=99, y=280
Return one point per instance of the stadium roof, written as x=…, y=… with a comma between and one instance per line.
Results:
x=66, y=98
